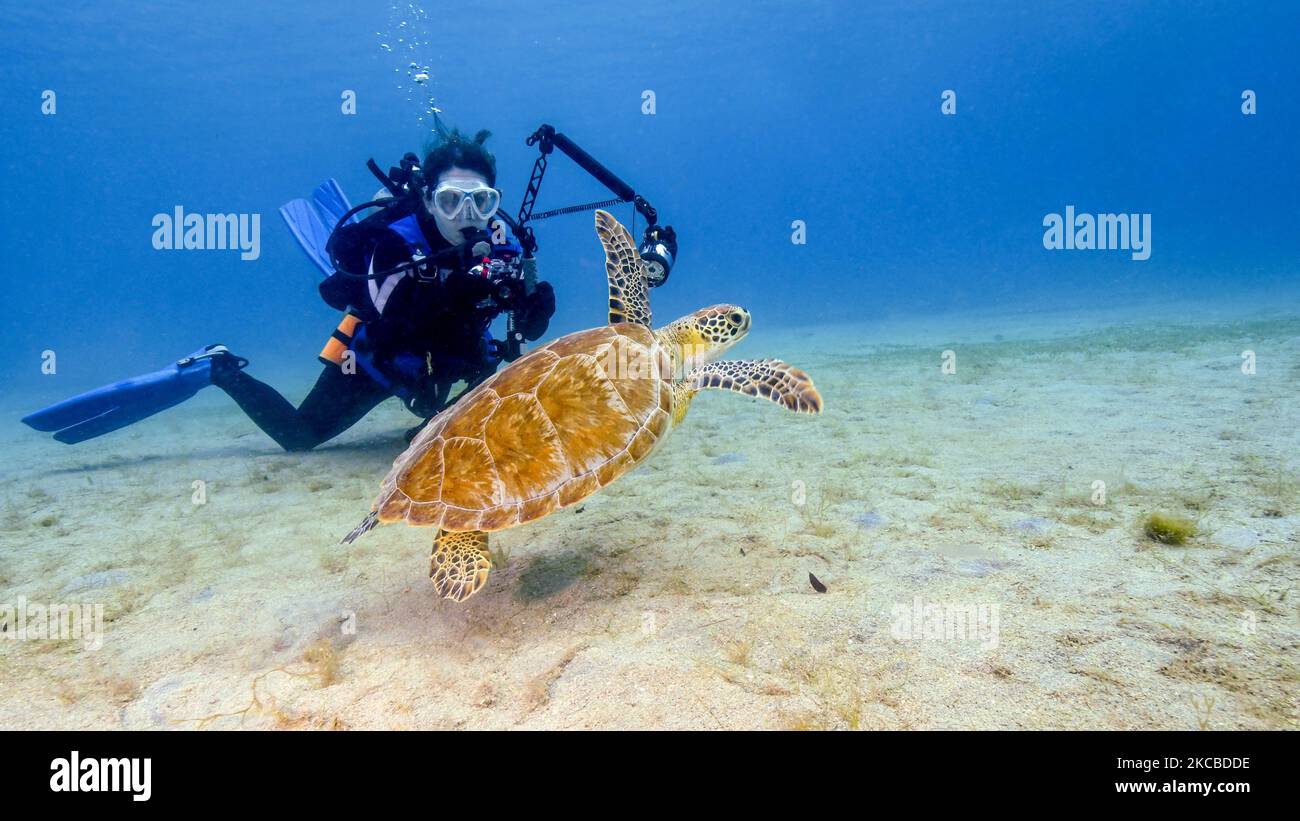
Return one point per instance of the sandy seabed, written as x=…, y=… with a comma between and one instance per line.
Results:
x=680, y=596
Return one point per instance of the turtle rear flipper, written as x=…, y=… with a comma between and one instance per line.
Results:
x=769, y=379
x=459, y=565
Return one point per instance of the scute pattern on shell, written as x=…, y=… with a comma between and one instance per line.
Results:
x=545, y=432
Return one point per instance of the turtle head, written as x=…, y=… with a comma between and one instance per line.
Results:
x=703, y=336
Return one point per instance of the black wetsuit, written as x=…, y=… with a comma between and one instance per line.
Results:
x=336, y=402
x=422, y=334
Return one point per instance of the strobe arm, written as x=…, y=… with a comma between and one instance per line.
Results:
x=659, y=247
x=548, y=137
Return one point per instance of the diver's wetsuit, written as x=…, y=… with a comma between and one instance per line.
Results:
x=336, y=402
x=421, y=335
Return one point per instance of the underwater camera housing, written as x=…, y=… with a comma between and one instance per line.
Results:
x=500, y=265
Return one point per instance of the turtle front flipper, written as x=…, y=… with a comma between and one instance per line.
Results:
x=629, y=295
x=459, y=565
x=770, y=379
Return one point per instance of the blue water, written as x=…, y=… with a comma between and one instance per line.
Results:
x=766, y=113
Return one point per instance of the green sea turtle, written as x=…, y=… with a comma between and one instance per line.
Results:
x=567, y=419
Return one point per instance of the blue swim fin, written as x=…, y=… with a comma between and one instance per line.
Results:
x=310, y=232
x=311, y=223
x=332, y=202
x=115, y=406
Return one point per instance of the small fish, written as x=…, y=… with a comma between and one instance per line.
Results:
x=816, y=583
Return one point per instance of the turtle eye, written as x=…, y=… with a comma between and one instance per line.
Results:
x=736, y=318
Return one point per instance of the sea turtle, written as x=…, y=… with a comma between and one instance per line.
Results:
x=567, y=419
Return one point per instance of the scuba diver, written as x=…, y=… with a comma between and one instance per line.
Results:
x=420, y=283
x=419, y=280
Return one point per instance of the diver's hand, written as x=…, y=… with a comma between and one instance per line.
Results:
x=535, y=311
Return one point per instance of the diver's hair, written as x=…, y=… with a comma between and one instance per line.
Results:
x=456, y=149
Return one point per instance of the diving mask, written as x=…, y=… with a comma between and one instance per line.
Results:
x=452, y=197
